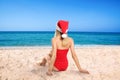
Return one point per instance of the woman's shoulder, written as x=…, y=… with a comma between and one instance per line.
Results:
x=70, y=39
x=53, y=39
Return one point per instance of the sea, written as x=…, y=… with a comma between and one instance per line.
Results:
x=43, y=38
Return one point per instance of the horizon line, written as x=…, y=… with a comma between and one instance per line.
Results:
x=68, y=31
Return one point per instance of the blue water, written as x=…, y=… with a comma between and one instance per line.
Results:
x=44, y=38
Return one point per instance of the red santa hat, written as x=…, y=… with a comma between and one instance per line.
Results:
x=62, y=26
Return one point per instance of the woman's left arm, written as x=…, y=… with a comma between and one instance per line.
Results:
x=51, y=65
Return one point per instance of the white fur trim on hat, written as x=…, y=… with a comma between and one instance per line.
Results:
x=64, y=35
x=58, y=28
x=66, y=30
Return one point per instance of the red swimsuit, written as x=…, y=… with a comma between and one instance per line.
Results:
x=61, y=62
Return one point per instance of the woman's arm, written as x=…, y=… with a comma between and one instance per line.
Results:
x=74, y=56
x=52, y=58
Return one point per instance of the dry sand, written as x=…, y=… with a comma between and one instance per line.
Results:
x=17, y=63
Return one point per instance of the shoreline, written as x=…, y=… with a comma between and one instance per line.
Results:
x=76, y=46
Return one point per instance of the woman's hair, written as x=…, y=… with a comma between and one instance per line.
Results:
x=64, y=40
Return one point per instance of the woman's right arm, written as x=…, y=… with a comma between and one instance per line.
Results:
x=74, y=56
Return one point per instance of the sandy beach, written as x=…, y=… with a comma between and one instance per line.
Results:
x=17, y=63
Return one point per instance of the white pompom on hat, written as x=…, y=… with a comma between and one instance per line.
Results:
x=62, y=26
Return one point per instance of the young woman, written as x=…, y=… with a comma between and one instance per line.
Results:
x=61, y=43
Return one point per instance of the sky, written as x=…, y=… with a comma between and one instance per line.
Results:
x=42, y=15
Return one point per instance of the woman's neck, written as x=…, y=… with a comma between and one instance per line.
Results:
x=59, y=37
